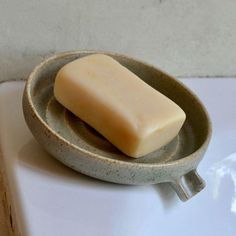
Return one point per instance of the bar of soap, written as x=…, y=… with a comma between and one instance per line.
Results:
x=133, y=116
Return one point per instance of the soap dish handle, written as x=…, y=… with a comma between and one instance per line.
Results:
x=188, y=185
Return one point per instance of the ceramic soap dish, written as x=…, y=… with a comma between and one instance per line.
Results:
x=80, y=147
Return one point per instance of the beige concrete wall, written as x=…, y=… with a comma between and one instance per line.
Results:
x=183, y=37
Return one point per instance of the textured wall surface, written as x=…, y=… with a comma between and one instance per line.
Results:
x=183, y=37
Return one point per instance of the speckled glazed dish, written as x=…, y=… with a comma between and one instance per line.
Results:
x=80, y=147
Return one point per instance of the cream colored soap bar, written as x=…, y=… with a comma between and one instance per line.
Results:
x=133, y=116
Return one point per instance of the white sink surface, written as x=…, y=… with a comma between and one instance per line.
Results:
x=52, y=199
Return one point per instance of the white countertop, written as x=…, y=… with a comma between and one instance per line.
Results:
x=52, y=199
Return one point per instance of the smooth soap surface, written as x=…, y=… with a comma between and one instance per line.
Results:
x=133, y=116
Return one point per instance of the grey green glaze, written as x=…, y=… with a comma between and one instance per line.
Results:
x=78, y=146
